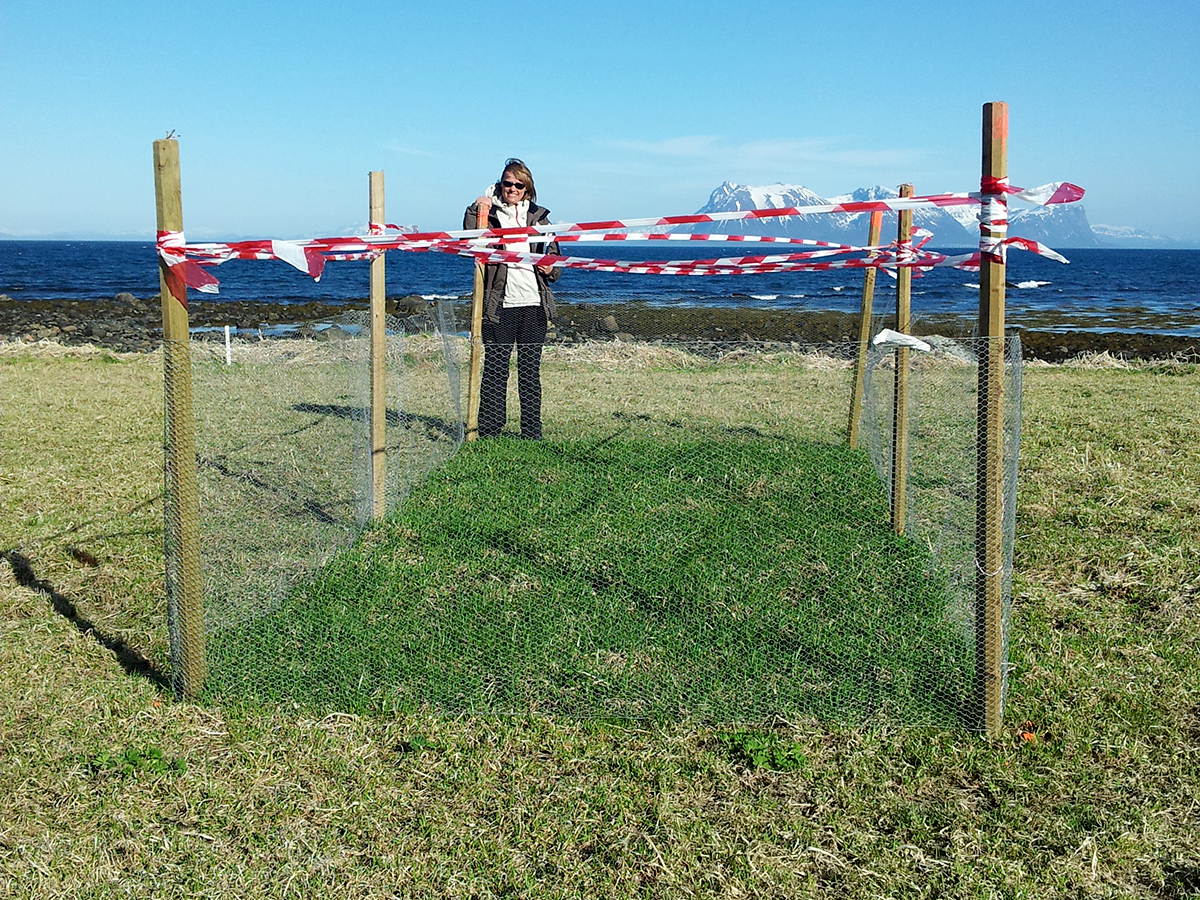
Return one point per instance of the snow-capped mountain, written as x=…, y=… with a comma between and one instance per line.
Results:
x=966, y=216
x=946, y=226
x=1125, y=233
x=846, y=228
x=731, y=197
x=1059, y=226
x=1063, y=225
x=1136, y=238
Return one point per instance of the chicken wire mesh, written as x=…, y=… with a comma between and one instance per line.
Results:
x=181, y=524
x=282, y=454
x=692, y=539
x=941, y=458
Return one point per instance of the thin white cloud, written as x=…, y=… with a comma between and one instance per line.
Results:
x=785, y=153
x=702, y=146
x=411, y=151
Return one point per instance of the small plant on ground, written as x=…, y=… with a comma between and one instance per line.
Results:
x=765, y=750
x=131, y=761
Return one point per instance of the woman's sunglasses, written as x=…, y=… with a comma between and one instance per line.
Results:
x=513, y=184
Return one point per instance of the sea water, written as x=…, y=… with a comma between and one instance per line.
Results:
x=1149, y=291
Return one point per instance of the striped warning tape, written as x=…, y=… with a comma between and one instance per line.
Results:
x=186, y=265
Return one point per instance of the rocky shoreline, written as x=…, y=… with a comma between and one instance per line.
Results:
x=130, y=324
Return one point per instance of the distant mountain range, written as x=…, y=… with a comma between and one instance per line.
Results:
x=1060, y=226
x=146, y=237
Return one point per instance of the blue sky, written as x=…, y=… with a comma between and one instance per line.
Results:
x=620, y=109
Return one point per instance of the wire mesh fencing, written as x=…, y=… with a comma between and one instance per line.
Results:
x=283, y=456
x=181, y=525
x=941, y=463
x=691, y=539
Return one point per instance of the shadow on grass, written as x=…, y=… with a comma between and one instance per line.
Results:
x=129, y=658
x=261, y=477
x=395, y=418
x=305, y=506
x=1181, y=880
x=729, y=430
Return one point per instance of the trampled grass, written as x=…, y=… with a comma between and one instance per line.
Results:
x=742, y=578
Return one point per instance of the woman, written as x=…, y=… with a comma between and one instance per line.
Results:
x=517, y=304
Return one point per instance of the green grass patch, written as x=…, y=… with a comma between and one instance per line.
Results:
x=765, y=750
x=131, y=761
x=732, y=579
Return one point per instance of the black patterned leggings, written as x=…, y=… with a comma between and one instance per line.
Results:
x=524, y=327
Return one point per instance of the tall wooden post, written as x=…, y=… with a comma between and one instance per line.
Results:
x=900, y=393
x=989, y=497
x=864, y=334
x=378, y=359
x=475, y=374
x=185, y=598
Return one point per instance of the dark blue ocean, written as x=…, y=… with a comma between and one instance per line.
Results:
x=1149, y=291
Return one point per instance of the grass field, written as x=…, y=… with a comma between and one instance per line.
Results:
x=694, y=542
x=110, y=789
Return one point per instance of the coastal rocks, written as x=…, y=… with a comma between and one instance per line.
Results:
x=136, y=325
x=1060, y=346
x=411, y=305
x=332, y=333
x=117, y=326
x=416, y=312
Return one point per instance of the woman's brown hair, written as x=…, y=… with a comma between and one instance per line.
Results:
x=515, y=167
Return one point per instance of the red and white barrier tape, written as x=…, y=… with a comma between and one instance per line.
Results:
x=186, y=264
x=884, y=257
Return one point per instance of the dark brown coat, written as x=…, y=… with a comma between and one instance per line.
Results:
x=495, y=277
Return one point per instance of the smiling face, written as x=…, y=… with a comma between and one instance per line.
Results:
x=513, y=188
x=516, y=184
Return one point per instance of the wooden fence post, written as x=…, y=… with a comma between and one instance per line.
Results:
x=900, y=393
x=475, y=373
x=864, y=334
x=181, y=519
x=378, y=359
x=989, y=498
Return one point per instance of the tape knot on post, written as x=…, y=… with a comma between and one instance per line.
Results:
x=180, y=272
x=993, y=219
x=171, y=244
x=989, y=184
